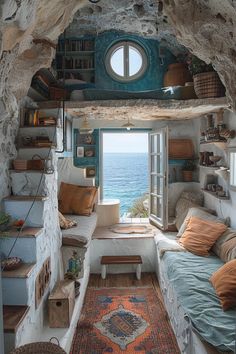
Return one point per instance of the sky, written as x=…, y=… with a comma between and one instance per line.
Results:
x=125, y=142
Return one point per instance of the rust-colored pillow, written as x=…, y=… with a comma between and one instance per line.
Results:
x=75, y=199
x=200, y=235
x=224, y=282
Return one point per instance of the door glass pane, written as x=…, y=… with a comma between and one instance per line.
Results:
x=117, y=61
x=156, y=208
x=156, y=164
x=156, y=185
x=155, y=143
x=135, y=61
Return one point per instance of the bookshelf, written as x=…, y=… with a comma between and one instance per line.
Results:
x=86, y=153
x=75, y=59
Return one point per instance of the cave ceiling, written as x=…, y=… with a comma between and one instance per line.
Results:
x=145, y=18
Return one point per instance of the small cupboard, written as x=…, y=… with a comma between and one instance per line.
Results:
x=86, y=153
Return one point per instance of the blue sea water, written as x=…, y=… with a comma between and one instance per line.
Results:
x=125, y=177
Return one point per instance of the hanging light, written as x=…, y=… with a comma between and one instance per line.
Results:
x=128, y=125
x=85, y=127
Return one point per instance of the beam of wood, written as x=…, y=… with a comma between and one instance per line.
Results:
x=141, y=109
x=23, y=271
x=121, y=260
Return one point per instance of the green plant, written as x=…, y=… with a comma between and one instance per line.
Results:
x=197, y=66
x=4, y=218
x=139, y=209
x=189, y=165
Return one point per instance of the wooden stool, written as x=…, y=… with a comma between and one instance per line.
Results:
x=105, y=260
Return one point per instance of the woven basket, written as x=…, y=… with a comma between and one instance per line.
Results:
x=207, y=85
x=39, y=348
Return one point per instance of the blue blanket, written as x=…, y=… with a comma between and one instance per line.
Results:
x=189, y=274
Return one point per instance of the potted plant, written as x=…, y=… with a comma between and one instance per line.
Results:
x=188, y=168
x=4, y=221
x=207, y=83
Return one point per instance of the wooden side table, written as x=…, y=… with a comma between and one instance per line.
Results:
x=108, y=212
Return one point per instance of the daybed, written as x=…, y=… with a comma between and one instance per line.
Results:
x=192, y=304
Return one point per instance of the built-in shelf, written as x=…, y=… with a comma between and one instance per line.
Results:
x=21, y=198
x=32, y=171
x=220, y=144
x=39, y=126
x=210, y=167
x=76, y=70
x=76, y=53
x=213, y=194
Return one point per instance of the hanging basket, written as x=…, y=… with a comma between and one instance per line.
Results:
x=39, y=348
x=208, y=85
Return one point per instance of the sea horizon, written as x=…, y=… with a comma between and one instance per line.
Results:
x=125, y=177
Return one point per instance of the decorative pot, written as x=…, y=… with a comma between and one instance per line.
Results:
x=176, y=75
x=187, y=176
x=208, y=85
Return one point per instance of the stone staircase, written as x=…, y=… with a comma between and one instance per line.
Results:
x=39, y=240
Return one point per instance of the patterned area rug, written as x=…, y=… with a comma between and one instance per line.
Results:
x=123, y=321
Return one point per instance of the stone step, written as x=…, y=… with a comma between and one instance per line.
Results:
x=27, y=182
x=19, y=206
x=13, y=319
x=28, y=244
x=18, y=285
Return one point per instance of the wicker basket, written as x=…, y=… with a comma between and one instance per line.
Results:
x=39, y=348
x=207, y=85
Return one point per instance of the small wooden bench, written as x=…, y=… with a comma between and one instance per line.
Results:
x=105, y=260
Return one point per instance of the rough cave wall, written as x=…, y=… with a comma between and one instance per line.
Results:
x=208, y=29
x=21, y=22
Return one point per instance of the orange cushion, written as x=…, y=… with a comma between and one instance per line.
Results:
x=224, y=282
x=200, y=235
x=75, y=199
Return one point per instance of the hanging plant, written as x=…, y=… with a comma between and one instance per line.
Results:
x=197, y=66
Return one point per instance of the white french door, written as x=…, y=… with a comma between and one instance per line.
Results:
x=158, y=167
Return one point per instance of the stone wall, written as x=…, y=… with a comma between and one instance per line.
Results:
x=207, y=28
x=28, y=32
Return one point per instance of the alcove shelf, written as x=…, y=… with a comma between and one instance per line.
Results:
x=213, y=194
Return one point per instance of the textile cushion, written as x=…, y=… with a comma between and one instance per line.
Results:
x=65, y=223
x=224, y=282
x=225, y=246
x=186, y=201
x=75, y=199
x=201, y=213
x=200, y=235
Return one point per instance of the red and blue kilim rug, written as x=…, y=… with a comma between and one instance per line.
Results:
x=121, y=320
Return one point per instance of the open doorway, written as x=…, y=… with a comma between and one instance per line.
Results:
x=125, y=172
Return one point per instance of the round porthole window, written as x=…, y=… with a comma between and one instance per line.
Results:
x=126, y=61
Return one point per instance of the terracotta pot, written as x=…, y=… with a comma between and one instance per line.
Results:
x=187, y=176
x=177, y=75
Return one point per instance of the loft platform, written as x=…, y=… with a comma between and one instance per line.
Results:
x=142, y=109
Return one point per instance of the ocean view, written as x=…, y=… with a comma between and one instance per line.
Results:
x=125, y=177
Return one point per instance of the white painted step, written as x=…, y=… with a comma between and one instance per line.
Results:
x=14, y=318
x=27, y=246
x=19, y=206
x=18, y=285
